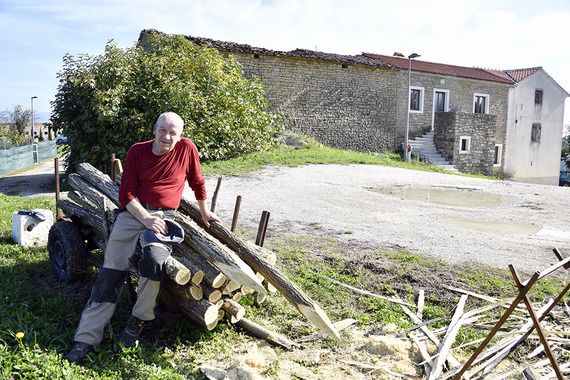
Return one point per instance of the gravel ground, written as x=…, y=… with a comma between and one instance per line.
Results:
x=454, y=218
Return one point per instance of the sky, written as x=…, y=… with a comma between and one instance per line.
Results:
x=497, y=34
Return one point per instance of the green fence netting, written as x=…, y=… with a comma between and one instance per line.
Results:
x=21, y=156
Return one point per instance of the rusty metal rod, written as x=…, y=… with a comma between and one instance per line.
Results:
x=56, y=167
x=236, y=213
x=514, y=304
x=537, y=326
x=215, y=197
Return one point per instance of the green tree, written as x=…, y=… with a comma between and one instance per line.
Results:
x=107, y=102
x=20, y=118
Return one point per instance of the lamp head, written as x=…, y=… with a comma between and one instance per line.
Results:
x=413, y=55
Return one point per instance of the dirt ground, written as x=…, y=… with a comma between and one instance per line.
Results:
x=458, y=219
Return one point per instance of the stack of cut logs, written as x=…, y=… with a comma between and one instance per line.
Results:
x=208, y=273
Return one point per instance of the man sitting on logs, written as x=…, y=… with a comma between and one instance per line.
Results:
x=150, y=192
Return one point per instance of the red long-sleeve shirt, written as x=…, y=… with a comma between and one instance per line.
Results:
x=159, y=180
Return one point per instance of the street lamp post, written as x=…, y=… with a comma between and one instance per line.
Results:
x=407, y=155
x=33, y=148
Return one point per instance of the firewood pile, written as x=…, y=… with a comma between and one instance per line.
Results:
x=208, y=273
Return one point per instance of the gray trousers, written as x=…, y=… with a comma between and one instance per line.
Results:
x=107, y=288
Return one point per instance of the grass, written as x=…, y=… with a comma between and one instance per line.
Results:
x=312, y=153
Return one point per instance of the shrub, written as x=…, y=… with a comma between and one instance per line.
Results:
x=107, y=102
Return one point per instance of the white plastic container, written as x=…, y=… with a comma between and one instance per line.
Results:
x=29, y=230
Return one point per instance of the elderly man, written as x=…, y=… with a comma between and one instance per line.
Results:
x=150, y=192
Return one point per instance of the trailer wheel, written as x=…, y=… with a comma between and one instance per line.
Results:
x=67, y=254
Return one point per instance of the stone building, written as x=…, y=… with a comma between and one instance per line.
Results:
x=360, y=102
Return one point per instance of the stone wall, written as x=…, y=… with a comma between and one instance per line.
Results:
x=481, y=128
x=348, y=106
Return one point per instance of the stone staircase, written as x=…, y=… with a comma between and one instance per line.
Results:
x=424, y=148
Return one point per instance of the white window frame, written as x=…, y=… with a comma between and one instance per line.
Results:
x=468, y=150
x=422, y=92
x=499, y=155
x=487, y=101
x=445, y=107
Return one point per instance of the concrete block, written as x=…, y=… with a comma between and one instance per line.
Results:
x=28, y=230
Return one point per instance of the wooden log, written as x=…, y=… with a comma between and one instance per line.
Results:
x=234, y=309
x=77, y=198
x=99, y=181
x=72, y=209
x=306, y=306
x=217, y=230
x=203, y=312
x=196, y=292
x=218, y=254
x=211, y=294
x=261, y=332
x=196, y=263
x=339, y=326
x=231, y=287
x=445, y=345
x=176, y=271
x=88, y=191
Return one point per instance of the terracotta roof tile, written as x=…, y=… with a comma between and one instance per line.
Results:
x=520, y=74
x=440, y=68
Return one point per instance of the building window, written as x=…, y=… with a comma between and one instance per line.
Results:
x=440, y=100
x=535, y=133
x=417, y=99
x=464, y=144
x=498, y=154
x=538, y=96
x=480, y=103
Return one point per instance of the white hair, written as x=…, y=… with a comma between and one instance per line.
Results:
x=170, y=117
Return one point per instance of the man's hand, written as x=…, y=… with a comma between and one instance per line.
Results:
x=155, y=223
x=152, y=222
x=209, y=216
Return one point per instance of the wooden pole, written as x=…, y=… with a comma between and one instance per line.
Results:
x=215, y=197
x=113, y=173
x=56, y=167
x=262, y=228
x=236, y=213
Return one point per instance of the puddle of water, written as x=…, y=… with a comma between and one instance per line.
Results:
x=447, y=197
x=499, y=228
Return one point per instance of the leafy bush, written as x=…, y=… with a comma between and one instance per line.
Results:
x=106, y=103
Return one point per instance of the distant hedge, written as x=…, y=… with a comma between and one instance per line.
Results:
x=107, y=102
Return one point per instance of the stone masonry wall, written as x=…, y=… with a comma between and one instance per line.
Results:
x=345, y=106
x=481, y=128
